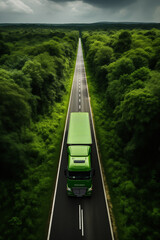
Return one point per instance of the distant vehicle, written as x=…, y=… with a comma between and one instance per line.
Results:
x=79, y=172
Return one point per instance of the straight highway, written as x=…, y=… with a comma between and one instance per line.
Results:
x=79, y=218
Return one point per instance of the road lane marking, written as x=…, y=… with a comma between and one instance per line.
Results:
x=80, y=221
x=79, y=100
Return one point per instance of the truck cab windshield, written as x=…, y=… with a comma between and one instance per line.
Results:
x=79, y=175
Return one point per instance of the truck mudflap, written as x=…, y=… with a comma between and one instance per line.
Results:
x=79, y=192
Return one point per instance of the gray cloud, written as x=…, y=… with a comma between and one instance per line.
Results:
x=102, y=3
x=79, y=11
x=17, y=6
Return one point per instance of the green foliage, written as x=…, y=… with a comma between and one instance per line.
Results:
x=103, y=56
x=120, y=67
x=13, y=61
x=153, y=84
x=142, y=74
x=33, y=70
x=15, y=110
x=139, y=57
x=4, y=48
x=117, y=88
x=137, y=108
x=35, y=82
x=52, y=47
x=125, y=97
x=124, y=42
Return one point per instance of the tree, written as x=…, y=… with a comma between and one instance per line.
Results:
x=4, y=49
x=139, y=57
x=15, y=114
x=93, y=48
x=123, y=43
x=142, y=74
x=138, y=116
x=138, y=107
x=15, y=110
x=34, y=71
x=116, y=90
x=103, y=56
x=120, y=67
x=153, y=84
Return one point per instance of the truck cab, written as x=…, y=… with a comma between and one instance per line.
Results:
x=79, y=172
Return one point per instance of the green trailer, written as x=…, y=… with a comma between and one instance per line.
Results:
x=79, y=171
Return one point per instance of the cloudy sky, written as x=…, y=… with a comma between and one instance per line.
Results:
x=78, y=11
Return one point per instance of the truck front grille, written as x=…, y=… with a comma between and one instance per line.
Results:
x=79, y=192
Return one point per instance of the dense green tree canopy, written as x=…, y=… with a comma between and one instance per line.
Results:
x=125, y=93
x=121, y=66
x=138, y=108
x=36, y=66
x=124, y=42
x=15, y=110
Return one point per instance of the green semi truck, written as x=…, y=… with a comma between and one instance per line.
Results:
x=79, y=171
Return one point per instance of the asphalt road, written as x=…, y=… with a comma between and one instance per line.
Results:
x=87, y=217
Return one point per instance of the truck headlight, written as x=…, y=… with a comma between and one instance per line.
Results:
x=90, y=189
x=69, y=189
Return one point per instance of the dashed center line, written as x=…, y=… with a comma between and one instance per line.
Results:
x=81, y=220
x=79, y=89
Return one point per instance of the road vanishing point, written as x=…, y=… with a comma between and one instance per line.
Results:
x=88, y=217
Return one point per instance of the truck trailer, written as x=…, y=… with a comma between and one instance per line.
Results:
x=79, y=171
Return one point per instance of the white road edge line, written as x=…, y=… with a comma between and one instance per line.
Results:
x=82, y=222
x=80, y=219
x=99, y=160
x=60, y=158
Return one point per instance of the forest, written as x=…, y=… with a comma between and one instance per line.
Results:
x=36, y=72
x=123, y=70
